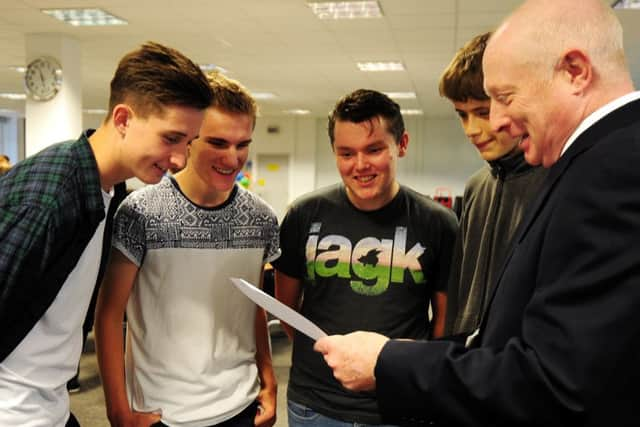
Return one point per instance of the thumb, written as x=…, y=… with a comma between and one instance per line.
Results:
x=322, y=345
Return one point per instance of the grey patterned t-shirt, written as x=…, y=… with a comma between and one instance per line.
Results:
x=190, y=335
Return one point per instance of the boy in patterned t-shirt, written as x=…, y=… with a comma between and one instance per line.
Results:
x=197, y=349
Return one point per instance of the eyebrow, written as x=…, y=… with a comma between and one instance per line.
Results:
x=215, y=139
x=372, y=144
x=174, y=132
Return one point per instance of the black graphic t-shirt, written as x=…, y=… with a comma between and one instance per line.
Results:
x=361, y=270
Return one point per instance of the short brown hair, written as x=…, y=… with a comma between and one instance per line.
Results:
x=155, y=76
x=230, y=96
x=463, y=77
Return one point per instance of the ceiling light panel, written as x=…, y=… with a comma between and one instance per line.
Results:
x=13, y=96
x=401, y=95
x=297, y=112
x=346, y=9
x=411, y=112
x=263, y=95
x=85, y=17
x=380, y=66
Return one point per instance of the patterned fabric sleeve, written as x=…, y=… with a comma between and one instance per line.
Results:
x=25, y=233
x=129, y=235
x=272, y=251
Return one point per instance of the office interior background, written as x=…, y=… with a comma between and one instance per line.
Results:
x=291, y=54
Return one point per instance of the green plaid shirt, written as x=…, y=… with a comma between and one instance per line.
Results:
x=50, y=206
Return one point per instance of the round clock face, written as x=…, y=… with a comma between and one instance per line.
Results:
x=43, y=78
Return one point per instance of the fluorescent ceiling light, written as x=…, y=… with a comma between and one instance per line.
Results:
x=18, y=68
x=626, y=4
x=346, y=9
x=85, y=17
x=213, y=67
x=101, y=111
x=401, y=95
x=411, y=112
x=297, y=112
x=13, y=96
x=263, y=95
x=380, y=66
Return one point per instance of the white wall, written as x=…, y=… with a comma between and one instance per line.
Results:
x=439, y=154
x=10, y=137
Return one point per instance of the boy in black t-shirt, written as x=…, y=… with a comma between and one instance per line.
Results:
x=366, y=254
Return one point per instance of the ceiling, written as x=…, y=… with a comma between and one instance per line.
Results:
x=275, y=46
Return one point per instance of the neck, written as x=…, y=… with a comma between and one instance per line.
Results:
x=103, y=144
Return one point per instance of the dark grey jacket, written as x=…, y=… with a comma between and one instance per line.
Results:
x=494, y=202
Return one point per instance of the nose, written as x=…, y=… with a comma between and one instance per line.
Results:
x=361, y=161
x=231, y=156
x=178, y=159
x=471, y=127
x=497, y=118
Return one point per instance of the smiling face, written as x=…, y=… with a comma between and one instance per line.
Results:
x=474, y=117
x=158, y=142
x=366, y=157
x=531, y=98
x=218, y=154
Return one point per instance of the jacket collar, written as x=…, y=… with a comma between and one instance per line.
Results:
x=511, y=164
x=88, y=174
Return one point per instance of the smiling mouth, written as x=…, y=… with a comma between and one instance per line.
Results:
x=365, y=179
x=163, y=170
x=482, y=145
x=224, y=171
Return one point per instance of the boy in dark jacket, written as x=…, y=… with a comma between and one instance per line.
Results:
x=495, y=197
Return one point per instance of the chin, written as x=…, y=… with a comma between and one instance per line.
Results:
x=150, y=178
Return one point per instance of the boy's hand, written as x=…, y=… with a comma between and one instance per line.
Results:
x=266, y=416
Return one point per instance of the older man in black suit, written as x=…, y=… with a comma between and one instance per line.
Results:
x=559, y=344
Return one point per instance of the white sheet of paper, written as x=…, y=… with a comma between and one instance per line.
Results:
x=278, y=309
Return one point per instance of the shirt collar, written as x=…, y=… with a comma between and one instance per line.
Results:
x=599, y=114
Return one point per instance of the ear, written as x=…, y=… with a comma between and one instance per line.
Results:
x=575, y=66
x=403, y=144
x=121, y=115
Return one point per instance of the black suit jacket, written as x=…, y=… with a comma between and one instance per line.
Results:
x=560, y=341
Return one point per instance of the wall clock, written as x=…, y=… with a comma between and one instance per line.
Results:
x=43, y=78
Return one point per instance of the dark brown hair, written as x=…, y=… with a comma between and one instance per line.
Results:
x=155, y=76
x=365, y=105
x=463, y=77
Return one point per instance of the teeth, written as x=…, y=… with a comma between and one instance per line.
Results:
x=224, y=171
x=365, y=178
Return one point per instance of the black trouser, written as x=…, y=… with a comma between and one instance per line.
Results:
x=243, y=419
x=72, y=422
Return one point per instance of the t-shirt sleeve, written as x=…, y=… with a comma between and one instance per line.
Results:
x=291, y=260
x=129, y=235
